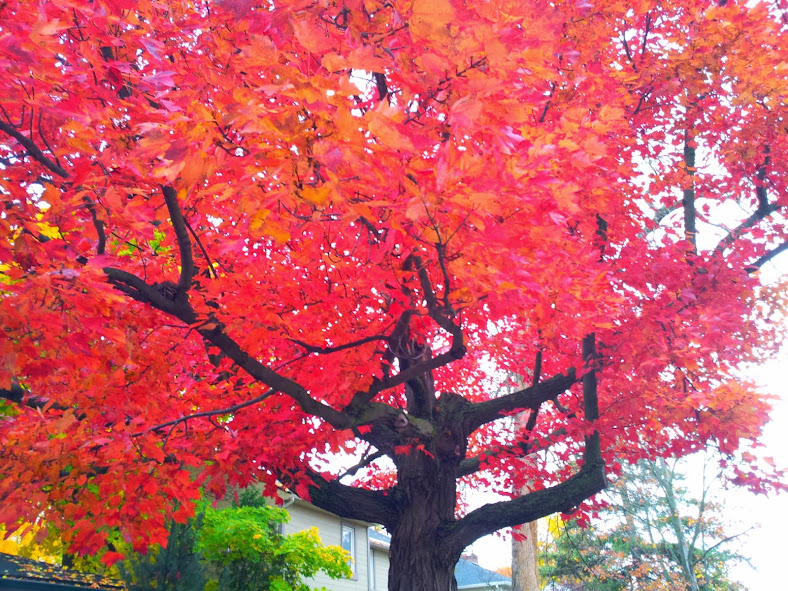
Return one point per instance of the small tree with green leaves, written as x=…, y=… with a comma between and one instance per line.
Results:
x=235, y=549
x=247, y=552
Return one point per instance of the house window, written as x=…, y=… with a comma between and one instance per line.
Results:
x=371, y=557
x=349, y=544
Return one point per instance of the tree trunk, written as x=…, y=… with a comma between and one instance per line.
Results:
x=426, y=496
x=421, y=558
x=525, y=557
x=525, y=553
x=415, y=566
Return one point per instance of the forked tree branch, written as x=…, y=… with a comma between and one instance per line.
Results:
x=764, y=210
x=563, y=497
x=482, y=413
x=751, y=221
x=213, y=333
x=38, y=155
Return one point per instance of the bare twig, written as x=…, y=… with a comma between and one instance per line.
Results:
x=365, y=461
x=211, y=270
x=520, y=449
x=207, y=413
x=326, y=350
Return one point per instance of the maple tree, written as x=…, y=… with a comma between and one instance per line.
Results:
x=238, y=238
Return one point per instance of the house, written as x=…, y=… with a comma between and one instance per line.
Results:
x=24, y=574
x=369, y=550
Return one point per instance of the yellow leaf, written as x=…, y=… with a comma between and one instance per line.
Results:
x=257, y=223
x=317, y=195
x=260, y=226
x=333, y=62
x=387, y=133
x=430, y=17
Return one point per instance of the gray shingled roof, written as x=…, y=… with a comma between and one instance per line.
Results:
x=471, y=575
x=24, y=574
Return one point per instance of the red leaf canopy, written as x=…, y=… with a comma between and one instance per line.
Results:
x=228, y=229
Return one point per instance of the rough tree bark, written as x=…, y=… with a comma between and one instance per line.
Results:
x=525, y=549
x=525, y=557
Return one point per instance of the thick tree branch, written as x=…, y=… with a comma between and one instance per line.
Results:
x=182, y=236
x=350, y=502
x=97, y=224
x=561, y=498
x=397, y=340
x=267, y=376
x=415, y=371
x=481, y=413
x=396, y=343
x=18, y=395
x=688, y=199
x=751, y=221
x=520, y=448
x=34, y=151
x=593, y=450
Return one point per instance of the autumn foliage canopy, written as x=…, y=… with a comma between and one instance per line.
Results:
x=238, y=238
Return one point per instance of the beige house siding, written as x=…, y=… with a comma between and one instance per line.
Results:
x=381, y=568
x=304, y=516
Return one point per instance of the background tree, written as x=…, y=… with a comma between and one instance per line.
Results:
x=178, y=566
x=652, y=534
x=239, y=237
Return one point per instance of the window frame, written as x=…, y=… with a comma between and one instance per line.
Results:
x=345, y=527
